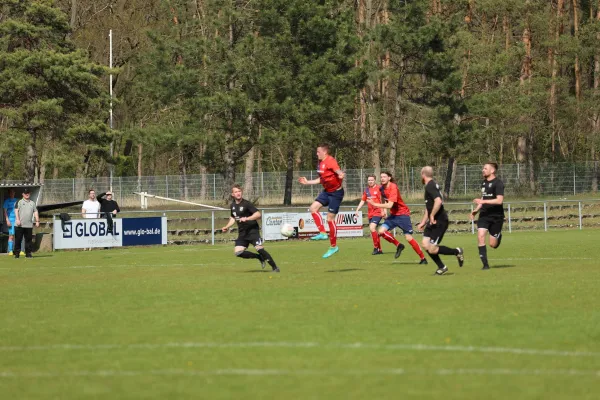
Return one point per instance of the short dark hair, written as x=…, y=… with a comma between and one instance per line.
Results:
x=493, y=164
x=324, y=146
x=237, y=186
x=91, y=190
x=388, y=173
x=372, y=176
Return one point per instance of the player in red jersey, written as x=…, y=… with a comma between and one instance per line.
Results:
x=399, y=216
x=375, y=214
x=331, y=177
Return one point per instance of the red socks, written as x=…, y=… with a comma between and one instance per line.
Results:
x=417, y=248
x=332, y=233
x=390, y=238
x=319, y=222
x=376, y=241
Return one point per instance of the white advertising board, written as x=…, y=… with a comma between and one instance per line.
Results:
x=348, y=224
x=85, y=233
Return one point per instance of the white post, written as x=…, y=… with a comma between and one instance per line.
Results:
x=574, y=182
x=509, y=220
x=110, y=64
x=465, y=169
x=545, y=218
x=580, y=218
x=212, y=227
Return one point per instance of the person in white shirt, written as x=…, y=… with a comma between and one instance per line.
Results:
x=91, y=207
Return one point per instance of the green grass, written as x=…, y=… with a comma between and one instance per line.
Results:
x=195, y=322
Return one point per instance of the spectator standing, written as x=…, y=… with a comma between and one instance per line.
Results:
x=25, y=211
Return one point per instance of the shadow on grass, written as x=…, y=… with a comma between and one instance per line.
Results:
x=40, y=256
x=503, y=266
x=346, y=270
x=255, y=271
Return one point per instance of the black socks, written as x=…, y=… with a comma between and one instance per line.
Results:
x=483, y=255
x=267, y=257
x=437, y=260
x=447, y=251
x=247, y=254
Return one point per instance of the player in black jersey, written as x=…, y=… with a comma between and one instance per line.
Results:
x=435, y=222
x=491, y=211
x=246, y=215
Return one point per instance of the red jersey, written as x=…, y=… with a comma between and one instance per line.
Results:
x=329, y=178
x=373, y=193
x=392, y=193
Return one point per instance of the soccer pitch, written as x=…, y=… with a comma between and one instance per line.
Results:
x=195, y=322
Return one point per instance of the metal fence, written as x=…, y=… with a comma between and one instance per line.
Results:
x=550, y=180
x=203, y=226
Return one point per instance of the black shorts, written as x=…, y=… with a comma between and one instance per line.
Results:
x=247, y=238
x=436, y=232
x=493, y=224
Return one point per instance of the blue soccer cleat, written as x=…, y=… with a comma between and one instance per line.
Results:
x=331, y=251
x=320, y=236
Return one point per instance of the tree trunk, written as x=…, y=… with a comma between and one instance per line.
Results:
x=55, y=173
x=183, y=182
x=398, y=116
x=73, y=20
x=289, y=177
x=374, y=142
x=203, y=172
x=596, y=117
x=577, y=65
x=139, y=166
x=31, y=160
x=553, y=59
x=449, y=174
x=249, y=173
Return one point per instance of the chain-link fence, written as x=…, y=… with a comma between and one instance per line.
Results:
x=548, y=180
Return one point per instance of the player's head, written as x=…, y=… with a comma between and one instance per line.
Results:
x=236, y=192
x=371, y=180
x=386, y=177
x=109, y=195
x=11, y=193
x=426, y=174
x=489, y=169
x=26, y=193
x=322, y=151
x=92, y=194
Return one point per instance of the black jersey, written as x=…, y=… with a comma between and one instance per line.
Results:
x=490, y=190
x=244, y=209
x=432, y=192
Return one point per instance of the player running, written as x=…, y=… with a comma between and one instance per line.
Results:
x=399, y=216
x=331, y=177
x=375, y=214
x=246, y=215
x=435, y=221
x=491, y=217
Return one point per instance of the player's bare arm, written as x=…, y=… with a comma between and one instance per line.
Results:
x=6, y=218
x=229, y=224
x=37, y=219
x=437, y=204
x=340, y=174
x=302, y=180
x=499, y=200
x=359, y=206
x=475, y=211
x=253, y=217
x=386, y=205
x=423, y=221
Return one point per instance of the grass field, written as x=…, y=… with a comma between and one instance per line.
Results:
x=195, y=322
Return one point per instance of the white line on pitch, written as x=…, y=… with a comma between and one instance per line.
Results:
x=299, y=372
x=370, y=346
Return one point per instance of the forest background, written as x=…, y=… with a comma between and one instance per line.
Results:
x=235, y=87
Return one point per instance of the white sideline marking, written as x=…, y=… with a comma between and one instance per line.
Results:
x=280, y=372
x=371, y=346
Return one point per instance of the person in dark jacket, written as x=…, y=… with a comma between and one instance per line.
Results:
x=109, y=209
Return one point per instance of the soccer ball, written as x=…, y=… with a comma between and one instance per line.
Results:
x=287, y=230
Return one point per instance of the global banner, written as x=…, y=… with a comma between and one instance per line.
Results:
x=349, y=225
x=88, y=233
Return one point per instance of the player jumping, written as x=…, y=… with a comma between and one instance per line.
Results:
x=399, y=216
x=246, y=215
x=375, y=214
x=331, y=177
